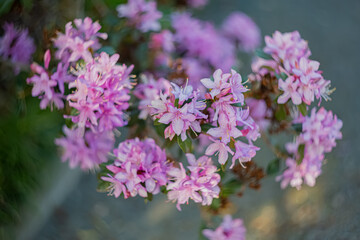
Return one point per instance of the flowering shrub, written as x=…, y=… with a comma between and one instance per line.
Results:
x=184, y=91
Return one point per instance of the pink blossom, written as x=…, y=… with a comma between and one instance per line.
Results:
x=241, y=28
x=319, y=132
x=76, y=42
x=290, y=88
x=201, y=185
x=140, y=168
x=162, y=41
x=244, y=152
x=86, y=152
x=286, y=46
x=222, y=149
x=221, y=81
x=229, y=229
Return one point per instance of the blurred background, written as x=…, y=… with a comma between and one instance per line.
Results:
x=41, y=198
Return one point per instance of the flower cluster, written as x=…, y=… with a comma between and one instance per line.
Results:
x=181, y=110
x=201, y=185
x=16, y=46
x=79, y=42
x=46, y=85
x=142, y=14
x=101, y=93
x=225, y=96
x=203, y=43
x=229, y=229
x=140, y=168
x=241, y=28
x=87, y=152
x=319, y=132
x=299, y=77
x=149, y=90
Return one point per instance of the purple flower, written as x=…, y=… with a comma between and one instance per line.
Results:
x=201, y=185
x=199, y=39
x=76, y=43
x=144, y=15
x=241, y=28
x=44, y=85
x=16, y=46
x=140, y=168
x=229, y=229
x=221, y=82
x=86, y=152
x=290, y=88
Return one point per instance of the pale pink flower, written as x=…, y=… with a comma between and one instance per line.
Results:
x=229, y=229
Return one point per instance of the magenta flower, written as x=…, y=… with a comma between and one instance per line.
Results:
x=76, y=43
x=140, y=168
x=16, y=46
x=86, y=152
x=229, y=229
x=241, y=28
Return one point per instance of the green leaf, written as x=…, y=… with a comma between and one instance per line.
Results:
x=103, y=186
x=303, y=109
x=273, y=167
x=186, y=146
x=230, y=187
x=297, y=127
x=280, y=113
x=301, y=152
x=107, y=49
x=282, y=76
x=260, y=53
x=156, y=122
x=205, y=127
x=6, y=6
x=236, y=104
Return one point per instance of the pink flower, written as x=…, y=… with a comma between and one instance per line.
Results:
x=75, y=43
x=244, y=152
x=86, y=152
x=221, y=148
x=162, y=41
x=178, y=119
x=286, y=46
x=237, y=89
x=319, y=132
x=140, y=168
x=290, y=88
x=229, y=229
x=241, y=28
x=220, y=82
x=201, y=185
